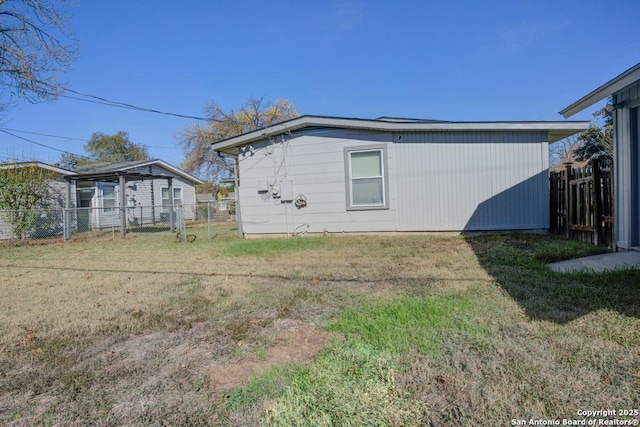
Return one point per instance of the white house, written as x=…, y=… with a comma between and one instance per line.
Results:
x=150, y=188
x=625, y=92
x=329, y=174
x=98, y=192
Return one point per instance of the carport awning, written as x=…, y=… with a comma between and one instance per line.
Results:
x=130, y=170
x=115, y=176
x=120, y=176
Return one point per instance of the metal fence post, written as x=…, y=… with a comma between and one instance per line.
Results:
x=182, y=228
x=66, y=221
x=11, y=222
x=171, y=204
x=65, y=225
x=209, y=220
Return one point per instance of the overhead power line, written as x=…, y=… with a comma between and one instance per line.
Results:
x=45, y=134
x=75, y=139
x=40, y=144
x=101, y=100
x=98, y=100
x=104, y=101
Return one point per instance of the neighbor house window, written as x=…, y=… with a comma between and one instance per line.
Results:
x=366, y=178
x=108, y=197
x=177, y=197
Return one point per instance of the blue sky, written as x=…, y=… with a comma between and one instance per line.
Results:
x=450, y=60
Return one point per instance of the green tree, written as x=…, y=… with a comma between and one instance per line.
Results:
x=69, y=161
x=196, y=139
x=35, y=47
x=23, y=189
x=597, y=141
x=113, y=148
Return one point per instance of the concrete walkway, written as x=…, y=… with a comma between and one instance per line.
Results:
x=598, y=263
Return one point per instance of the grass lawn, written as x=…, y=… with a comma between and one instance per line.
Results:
x=349, y=330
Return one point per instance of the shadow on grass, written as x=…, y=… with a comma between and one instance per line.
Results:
x=518, y=264
x=149, y=229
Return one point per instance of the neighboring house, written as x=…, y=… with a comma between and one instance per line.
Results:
x=218, y=205
x=151, y=187
x=625, y=91
x=205, y=198
x=328, y=174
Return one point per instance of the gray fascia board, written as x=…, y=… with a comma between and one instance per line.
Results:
x=612, y=86
x=561, y=128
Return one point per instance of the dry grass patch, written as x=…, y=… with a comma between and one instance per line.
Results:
x=125, y=331
x=131, y=332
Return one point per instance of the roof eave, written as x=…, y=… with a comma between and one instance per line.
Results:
x=612, y=86
x=56, y=169
x=556, y=135
x=556, y=130
x=110, y=173
x=168, y=166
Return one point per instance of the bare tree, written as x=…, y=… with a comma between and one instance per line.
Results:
x=564, y=150
x=35, y=47
x=196, y=139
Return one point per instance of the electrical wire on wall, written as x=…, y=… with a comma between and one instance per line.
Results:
x=280, y=174
x=278, y=148
x=301, y=230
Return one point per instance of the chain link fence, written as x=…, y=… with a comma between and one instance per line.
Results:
x=78, y=223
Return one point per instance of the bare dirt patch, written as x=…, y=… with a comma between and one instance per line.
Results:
x=295, y=342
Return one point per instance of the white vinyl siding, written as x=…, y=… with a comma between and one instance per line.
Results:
x=433, y=181
x=475, y=182
x=366, y=187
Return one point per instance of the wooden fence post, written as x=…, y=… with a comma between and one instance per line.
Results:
x=585, y=211
x=553, y=203
x=567, y=197
x=597, y=209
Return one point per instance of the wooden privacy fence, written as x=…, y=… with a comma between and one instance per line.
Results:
x=582, y=202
